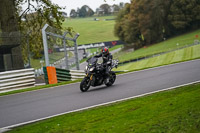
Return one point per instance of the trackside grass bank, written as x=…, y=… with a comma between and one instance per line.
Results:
x=185, y=54
x=167, y=45
x=174, y=111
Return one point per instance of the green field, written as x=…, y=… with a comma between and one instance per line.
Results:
x=167, y=45
x=92, y=31
x=35, y=63
x=185, y=54
x=174, y=111
x=99, y=49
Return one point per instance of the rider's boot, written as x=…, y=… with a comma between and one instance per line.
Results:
x=106, y=81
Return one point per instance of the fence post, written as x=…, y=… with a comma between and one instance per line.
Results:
x=28, y=47
x=44, y=37
x=76, y=52
x=65, y=49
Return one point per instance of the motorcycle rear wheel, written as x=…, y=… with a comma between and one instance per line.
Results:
x=85, y=84
x=111, y=79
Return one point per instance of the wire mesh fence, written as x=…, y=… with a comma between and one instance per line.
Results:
x=61, y=50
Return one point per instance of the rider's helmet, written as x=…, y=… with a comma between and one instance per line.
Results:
x=105, y=51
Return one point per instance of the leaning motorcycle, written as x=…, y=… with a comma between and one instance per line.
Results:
x=95, y=74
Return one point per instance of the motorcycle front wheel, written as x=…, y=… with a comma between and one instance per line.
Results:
x=85, y=84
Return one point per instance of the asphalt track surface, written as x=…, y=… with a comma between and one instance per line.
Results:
x=24, y=107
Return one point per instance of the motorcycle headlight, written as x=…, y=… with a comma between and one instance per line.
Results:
x=91, y=69
x=86, y=69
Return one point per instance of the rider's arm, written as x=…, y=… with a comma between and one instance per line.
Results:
x=110, y=59
x=99, y=55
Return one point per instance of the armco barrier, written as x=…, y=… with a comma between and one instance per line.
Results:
x=64, y=75
x=17, y=79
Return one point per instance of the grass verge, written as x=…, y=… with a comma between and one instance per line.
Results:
x=38, y=87
x=35, y=63
x=175, y=111
x=177, y=56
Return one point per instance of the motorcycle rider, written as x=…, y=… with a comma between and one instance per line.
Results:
x=107, y=61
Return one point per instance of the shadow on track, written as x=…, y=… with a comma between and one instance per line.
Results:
x=92, y=89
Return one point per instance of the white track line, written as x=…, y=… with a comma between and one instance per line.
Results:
x=25, y=123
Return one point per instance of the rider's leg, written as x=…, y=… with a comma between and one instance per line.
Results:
x=107, y=71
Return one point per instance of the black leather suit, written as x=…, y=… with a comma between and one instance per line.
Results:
x=107, y=61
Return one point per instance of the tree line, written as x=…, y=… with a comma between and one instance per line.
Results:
x=104, y=9
x=144, y=22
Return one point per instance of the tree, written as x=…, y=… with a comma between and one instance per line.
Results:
x=90, y=12
x=33, y=21
x=17, y=23
x=184, y=15
x=144, y=22
x=115, y=8
x=64, y=14
x=121, y=5
x=73, y=13
x=152, y=18
x=106, y=9
x=147, y=22
x=78, y=11
x=121, y=21
x=85, y=11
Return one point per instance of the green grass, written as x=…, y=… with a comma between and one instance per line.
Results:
x=115, y=47
x=92, y=31
x=174, y=111
x=185, y=54
x=167, y=45
x=92, y=50
x=35, y=63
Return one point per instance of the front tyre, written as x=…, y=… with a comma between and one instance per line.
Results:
x=85, y=84
x=112, y=79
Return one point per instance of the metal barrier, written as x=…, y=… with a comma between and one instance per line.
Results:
x=65, y=75
x=77, y=74
x=17, y=79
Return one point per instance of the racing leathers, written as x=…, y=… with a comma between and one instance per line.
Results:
x=107, y=62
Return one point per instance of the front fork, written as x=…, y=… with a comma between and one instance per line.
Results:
x=89, y=76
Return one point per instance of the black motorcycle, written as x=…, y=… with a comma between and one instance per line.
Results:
x=95, y=74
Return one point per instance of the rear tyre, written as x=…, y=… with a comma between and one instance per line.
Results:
x=112, y=79
x=85, y=84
